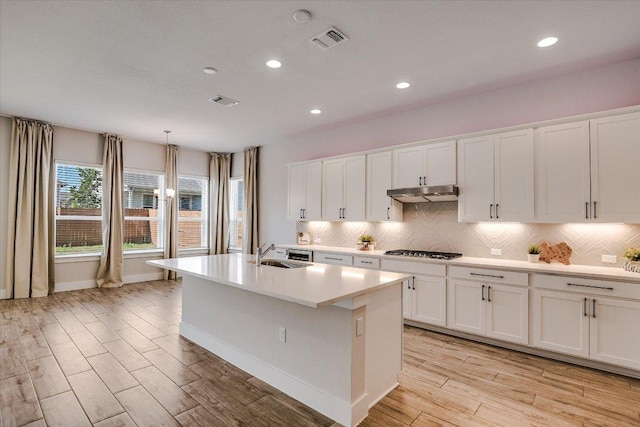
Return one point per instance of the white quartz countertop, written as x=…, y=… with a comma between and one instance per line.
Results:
x=586, y=271
x=315, y=285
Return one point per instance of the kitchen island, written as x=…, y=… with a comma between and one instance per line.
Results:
x=328, y=336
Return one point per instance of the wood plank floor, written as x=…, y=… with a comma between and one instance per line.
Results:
x=113, y=357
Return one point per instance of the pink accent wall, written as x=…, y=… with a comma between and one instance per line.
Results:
x=598, y=89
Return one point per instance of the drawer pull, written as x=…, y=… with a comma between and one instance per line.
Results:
x=605, y=288
x=334, y=259
x=487, y=275
x=366, y=262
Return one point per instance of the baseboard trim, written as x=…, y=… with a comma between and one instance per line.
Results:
x=338, y=410
x=88, y=284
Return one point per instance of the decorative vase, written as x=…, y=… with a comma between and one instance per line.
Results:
x=365, y=246
x=533, y=257
x=632, y=266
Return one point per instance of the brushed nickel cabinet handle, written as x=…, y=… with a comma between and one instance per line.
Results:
x=420, y=181
x=584, y=308
x=595, y=215
x=604, y=288
x=388, y=212
x=482, y=292
x=497, y=215
x=487, y=275
x=586, y=210
x=489, y=294
x=491, y=211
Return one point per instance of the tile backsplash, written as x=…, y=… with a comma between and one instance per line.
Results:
x=435, y=226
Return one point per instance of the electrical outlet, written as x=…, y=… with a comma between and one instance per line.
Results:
x=359, y=326
x=283, y=334
x=611, y=259
x=497, y=252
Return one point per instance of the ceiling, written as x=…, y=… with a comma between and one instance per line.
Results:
x=136, y=67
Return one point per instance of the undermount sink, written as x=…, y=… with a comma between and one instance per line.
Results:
x=280, y=264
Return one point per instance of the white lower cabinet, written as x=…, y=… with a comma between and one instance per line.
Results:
x=425, y=300
x=588, y=325
x=496, y=311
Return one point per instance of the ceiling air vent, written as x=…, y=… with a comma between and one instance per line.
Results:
x=223, y=100
x=329, y=38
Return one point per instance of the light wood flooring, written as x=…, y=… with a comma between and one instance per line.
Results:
x=113, y=357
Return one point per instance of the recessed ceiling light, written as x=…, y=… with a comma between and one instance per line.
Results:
x=274, y=63
x=403, y=85
x=210, y=70
x=301, y=16
x=548, y=41
x=315, y=111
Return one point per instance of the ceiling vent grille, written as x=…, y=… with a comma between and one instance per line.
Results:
x=224, y=101
x=329, y=38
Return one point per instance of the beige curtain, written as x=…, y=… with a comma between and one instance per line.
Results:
x=171, y=219
x=30, y=245
x=219, y=174
x=110, y=272
x=250, y=237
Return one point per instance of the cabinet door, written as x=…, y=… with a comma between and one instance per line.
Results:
x=407, y=167
x=561, y=322
x=615, y=153
x=615, y=332
x=508, y=313
x=430, y=300
x=332, y=189
x=381, y=207
x=514, y=183
x=439, y=163
x=407, y=294
x=296, y=198
x=354, y=188
x=313, y=190
x=475, y=178
x=465, y=306
x=563, y=191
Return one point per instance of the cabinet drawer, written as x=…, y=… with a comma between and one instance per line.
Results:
x=365, y=262
x=280, y=253
x=485, y=275
x=587, y=286
x=329, y=258
x=413, y=267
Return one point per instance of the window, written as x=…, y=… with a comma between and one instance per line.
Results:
x=143, y=211
x=192, y=212
x=78, y=209
x=236, y=209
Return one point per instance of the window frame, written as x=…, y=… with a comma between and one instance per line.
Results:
x=160, y=219
x=203, y=220
x=62, y=256
x=230, y=247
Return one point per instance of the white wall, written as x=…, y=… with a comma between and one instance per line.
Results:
x=604, y=88
x=5, y=144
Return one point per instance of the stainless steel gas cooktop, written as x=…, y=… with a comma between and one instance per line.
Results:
x=423, y=254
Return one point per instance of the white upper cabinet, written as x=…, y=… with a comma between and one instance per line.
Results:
x=430, y=164
x=615, y=167
x=563, y=173
x=344, y=189
x=381, y=207
x=587, y=171
x=496, y=179
x=305, y=186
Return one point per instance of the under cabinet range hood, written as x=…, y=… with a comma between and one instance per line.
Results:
x=439, y=193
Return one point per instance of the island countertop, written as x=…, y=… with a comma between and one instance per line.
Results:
x=315, y=285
